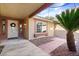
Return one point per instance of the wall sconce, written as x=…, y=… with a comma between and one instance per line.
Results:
x=25, y=24
x=51, y=28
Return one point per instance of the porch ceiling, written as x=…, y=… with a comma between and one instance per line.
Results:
x=18, y=10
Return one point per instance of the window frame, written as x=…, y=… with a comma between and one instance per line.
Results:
x=43, y=23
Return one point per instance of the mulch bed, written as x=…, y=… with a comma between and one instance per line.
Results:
x=41, y=41
x=63, y=51
x=1, y=48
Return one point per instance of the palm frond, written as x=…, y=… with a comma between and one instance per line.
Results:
x=69, y=19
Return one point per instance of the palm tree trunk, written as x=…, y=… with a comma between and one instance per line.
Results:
x=71, y=41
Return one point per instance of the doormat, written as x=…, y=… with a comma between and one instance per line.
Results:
x=1, y=48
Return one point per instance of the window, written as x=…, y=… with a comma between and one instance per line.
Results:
x=3, y=25
x=41, y=27
x=20, y=27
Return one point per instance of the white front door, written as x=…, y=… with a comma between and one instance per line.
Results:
x=12, y=28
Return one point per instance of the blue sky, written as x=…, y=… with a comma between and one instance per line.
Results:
x=57, y=8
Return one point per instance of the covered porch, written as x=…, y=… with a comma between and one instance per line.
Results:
x=23, y=34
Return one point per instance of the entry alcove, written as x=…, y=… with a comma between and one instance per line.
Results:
x=3, y=28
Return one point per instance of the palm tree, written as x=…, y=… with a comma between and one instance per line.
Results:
x=69, y=19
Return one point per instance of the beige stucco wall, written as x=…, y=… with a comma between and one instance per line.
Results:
x=31, y=28
x=50, y=29
x=61, y=32
x=26, y=28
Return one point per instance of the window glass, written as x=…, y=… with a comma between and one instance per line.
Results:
x=41, y=27
x=3, y=25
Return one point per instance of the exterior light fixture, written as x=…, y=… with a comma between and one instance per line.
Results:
x=25, y=24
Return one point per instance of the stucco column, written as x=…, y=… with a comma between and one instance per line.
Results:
x=54, y=28
x=0, y=30
x=26, y=28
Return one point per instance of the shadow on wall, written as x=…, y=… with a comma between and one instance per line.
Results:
x=62, y=34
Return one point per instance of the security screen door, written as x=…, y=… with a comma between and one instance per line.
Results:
x=12, y=29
